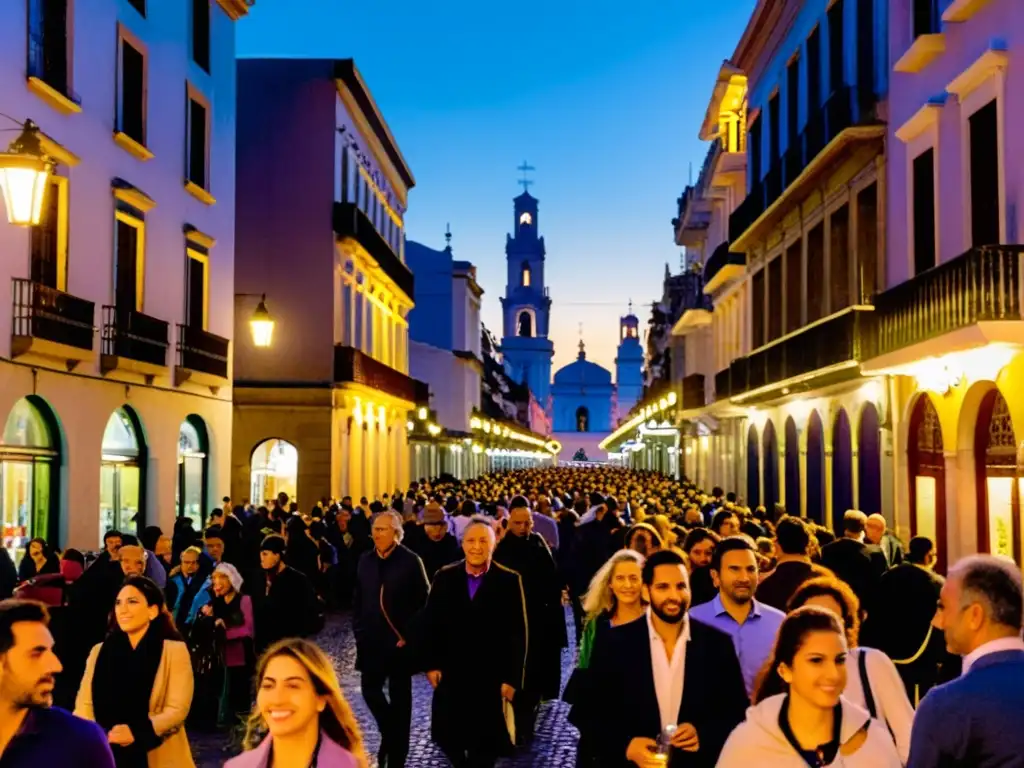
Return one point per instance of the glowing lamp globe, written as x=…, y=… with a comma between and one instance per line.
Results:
x=24, y=173
x=262, y=325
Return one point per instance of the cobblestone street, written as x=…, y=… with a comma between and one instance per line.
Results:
x=554, y=745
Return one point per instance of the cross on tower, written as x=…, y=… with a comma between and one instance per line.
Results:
x=525, y=168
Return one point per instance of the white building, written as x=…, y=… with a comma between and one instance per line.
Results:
x=115, y=352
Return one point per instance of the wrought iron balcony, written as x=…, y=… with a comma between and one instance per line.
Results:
x=202, y=356
x=823, y=346
x=352, y=365
x=719, y=261
x=350, y=221
x=980, y=285
x=131, y=338
x=693, y=391
x=51, y=322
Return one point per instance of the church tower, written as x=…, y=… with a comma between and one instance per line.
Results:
x=526, y=306
x=629, y=363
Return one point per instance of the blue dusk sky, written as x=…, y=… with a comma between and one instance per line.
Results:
x=604, y=98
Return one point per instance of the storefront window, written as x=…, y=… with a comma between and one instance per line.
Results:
x=27, y=450
x=121, y=475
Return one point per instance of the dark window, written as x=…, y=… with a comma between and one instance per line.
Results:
x=985, y=175
x=775, y=299
x=773, y=129
x=866, y=45
x=201, y=33
x=926, y=17
x=45, y=256
x=755, y=150
x=582, y=419
x=196, y=143
x=48, y=42
x=525, y=324
x=839, y=259
x=924, y=211
x=195, y=299
x=793, y=102
x=757, y=310
x=794, y=291
x=126, y=264
x=835, y=46
x=132, y=108
x=867, y=244
x=816, y=273
x=814, y=71
x=138, y=5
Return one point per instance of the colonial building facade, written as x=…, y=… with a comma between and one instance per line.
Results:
x=115, y=355
x=320, y=231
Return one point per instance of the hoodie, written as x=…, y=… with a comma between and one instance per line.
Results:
x=759, y=741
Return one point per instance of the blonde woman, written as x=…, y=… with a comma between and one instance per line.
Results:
x=302, y=712
x=614, y=599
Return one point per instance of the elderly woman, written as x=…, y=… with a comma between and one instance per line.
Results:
x=232, y=614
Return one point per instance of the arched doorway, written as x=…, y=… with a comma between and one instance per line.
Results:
x=792, y=470
x=927, y=468
x=753, y=468
x=582, y=419
x=29, y=472
x=771, y=467
x=193, y=467
x=123, y=474
x=842, y=469
x=997, y=478
x=869, y=462
x=274, y=469
x=525, y=324
x=815, y=469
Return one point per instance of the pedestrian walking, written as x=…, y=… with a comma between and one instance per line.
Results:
x=32, y=731
x=391, y=591
x=138, y=682
x=793, y=563
x=800, y=717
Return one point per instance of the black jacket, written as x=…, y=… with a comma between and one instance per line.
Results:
x=858, y=564
x=288, y=609
x=780, y=584
x=436, y=554
x=389, y=597
x=626, y=703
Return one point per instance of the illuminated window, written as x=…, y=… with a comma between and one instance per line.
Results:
x=525, y=278
x=526, y=218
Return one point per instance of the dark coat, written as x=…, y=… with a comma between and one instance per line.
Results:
x=288, y=609
x=786, y=579
x=467, y=706
x=530, y=557
x=859, y=565
x=389, y=597
x=436, y=554
x=8, y=574
x=27, y=569
x=626, y=704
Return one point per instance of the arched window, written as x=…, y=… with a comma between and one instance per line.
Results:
x=193, y=450
x=525, y=218
x=582, y=419
x=274, y=469
x=524, y=276
x=525, y=324
x=123, y=474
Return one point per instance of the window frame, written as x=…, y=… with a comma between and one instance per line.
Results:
x=194, y=95
x=126, y=37
x=194, y=252
x=136, y=219
x=915, y=147
x=58, y=185
x=208, y=6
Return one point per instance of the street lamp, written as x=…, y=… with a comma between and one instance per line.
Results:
x=261, y=324
x=24, y=171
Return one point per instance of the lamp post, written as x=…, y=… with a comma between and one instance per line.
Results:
x=24, y=171
x=261, y=324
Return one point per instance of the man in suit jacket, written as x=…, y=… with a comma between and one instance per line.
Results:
x=792, y=548
x=974, y=721
x=665, y=670
x=853, y=561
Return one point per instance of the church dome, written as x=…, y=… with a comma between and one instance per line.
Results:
x=583, y=373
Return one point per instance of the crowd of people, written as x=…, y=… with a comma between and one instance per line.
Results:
x=708, y=633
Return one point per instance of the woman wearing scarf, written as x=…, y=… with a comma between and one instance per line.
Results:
x=232, y=614
x=138, y=682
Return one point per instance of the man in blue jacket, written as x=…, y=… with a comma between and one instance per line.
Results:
x=974, y=721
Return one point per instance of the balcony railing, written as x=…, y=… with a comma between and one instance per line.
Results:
x=837, y=340
x=980, y=285
x=352, y=365
x=693, y=391
x=131, y=334
x=41, y=312
x=721, y=258
x=847, y=107
x=202, y=351
x=350, y=221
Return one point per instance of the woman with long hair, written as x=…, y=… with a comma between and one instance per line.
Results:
x=614, y=599
x=800, y=717
x=301, y=716
x=873, y=682
x=37, y=561
x=138, y=682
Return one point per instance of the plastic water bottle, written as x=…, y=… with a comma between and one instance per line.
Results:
x=664, y=748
